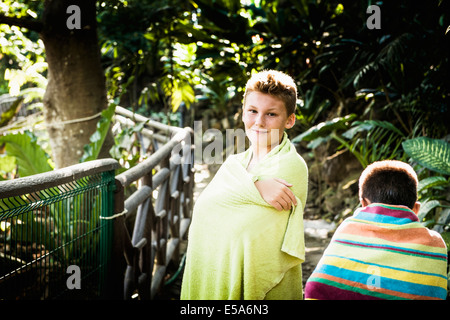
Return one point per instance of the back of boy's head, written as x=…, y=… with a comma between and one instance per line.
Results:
x=389, y=182
x=275, y=83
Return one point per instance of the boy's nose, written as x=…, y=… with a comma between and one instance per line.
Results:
x=259, y=120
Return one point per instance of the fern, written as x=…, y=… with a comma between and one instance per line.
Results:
x=373, y=140
x=433, y=154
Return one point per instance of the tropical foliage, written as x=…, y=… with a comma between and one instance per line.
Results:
x=433, y=155
x=376, y=93
x=24, y=154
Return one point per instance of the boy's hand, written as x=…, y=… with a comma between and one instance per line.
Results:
x=276, y=192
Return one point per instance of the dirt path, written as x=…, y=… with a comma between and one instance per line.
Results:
x=316, y=240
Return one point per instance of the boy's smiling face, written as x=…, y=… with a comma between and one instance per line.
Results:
x=265, y=118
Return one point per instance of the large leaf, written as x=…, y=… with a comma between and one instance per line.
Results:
x=433, y=154
x=325, y=128
x=30, y=157
x=182, y=92
x=368, y=125
x=7, y=165
x=426, y=207
x=431, y=182
x=92, y=150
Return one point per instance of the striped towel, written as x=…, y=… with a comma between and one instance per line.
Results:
x=381, y=252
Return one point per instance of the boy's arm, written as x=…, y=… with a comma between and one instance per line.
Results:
x=276, y=192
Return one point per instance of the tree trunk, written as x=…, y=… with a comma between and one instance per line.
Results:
x=76, y=92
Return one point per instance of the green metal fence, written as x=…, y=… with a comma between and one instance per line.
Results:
x=115, y=236
x=55, y=233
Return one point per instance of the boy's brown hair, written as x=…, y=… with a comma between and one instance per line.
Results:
x=275, y=83
x=390, y=182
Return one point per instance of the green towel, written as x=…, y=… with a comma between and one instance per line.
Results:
x=239, y=246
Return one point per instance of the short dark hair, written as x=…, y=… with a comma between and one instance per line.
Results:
x=277, y=84
x=390, y=182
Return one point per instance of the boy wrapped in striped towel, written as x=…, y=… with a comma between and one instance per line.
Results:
x=382, y=251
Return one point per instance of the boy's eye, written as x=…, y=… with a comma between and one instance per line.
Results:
x=254, y=111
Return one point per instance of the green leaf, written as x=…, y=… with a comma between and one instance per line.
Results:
x=431, y=182
x=92, y=150
x=318, y=141
x=30, y=157
x=182, y=92
x=446, y=237
x=7, y=115
x=7, y=163
x=369, y=125
x=302, y=7
x=426, y=207
x=433, y=154
x=324, y=128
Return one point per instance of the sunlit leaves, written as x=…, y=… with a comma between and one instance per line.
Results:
x=30, y=73
x=92, y=150
x=7, y=166
x=22, y=60
x=339, y=9
x=20, y=9
x=29, y=156
x=433, y=154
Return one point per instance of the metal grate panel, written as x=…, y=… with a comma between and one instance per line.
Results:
x=45, y=232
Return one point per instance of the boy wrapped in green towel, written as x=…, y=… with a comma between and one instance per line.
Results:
x=382, y=251
x=246, y=238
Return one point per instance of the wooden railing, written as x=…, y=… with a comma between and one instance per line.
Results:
x=160, y=222
x=151, y=207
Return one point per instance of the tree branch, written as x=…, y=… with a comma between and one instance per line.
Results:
x=30, y=24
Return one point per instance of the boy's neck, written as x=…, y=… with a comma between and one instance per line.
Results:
x=257, y=156
x=365, y=202
x=259, y=152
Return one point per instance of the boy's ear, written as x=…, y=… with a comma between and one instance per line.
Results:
x=416, y=207
x=364, y=202
x=290, y=121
